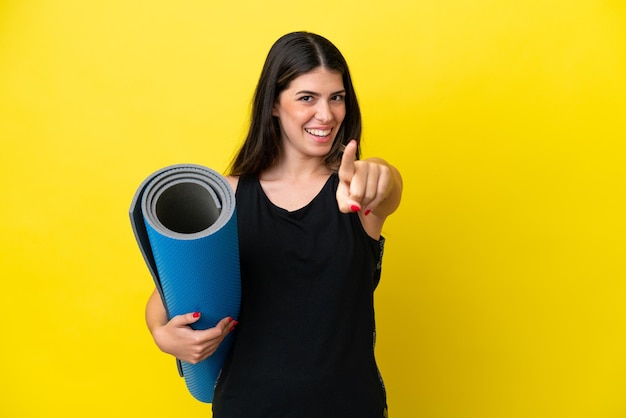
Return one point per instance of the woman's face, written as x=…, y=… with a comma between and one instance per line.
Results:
x=310, y=112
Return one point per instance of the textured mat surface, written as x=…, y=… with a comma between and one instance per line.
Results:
x=185, y=223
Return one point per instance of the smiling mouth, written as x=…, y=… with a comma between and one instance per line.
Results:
x=322, y=133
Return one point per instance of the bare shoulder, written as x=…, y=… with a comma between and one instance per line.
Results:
x=233, y=181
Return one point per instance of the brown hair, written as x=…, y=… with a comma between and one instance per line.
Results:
x=291, y=56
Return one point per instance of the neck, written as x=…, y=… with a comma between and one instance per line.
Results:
x=297, y=169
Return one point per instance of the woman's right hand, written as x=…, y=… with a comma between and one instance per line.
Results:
x=177, y=338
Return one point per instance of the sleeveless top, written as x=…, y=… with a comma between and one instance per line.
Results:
x=304, y=345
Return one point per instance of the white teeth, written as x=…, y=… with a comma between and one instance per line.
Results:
x=319, y=132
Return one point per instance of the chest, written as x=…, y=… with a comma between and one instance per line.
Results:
x=292, y=195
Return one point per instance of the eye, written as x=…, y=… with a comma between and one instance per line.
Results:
x=338, y=98
x=306, y=98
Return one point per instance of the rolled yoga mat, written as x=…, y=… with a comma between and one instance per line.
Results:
x=185, y=223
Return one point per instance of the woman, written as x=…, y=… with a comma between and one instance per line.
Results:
x=310, y=216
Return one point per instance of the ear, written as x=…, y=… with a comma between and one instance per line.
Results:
x=275, y=109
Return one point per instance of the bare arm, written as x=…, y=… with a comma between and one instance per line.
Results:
x=177, y=338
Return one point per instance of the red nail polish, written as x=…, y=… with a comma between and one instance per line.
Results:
x=355, y=208
x=367, y=212
x=196, y=314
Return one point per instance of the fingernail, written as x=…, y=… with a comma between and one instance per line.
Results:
x=196, y=314
x=230, y=319
x=355, y=208
x=367, y=212
x=234, y=326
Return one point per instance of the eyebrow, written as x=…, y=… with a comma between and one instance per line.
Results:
x=312, y=93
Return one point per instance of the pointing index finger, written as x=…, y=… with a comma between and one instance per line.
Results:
x=346, y=169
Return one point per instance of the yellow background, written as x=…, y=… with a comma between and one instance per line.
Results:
x=504, y=286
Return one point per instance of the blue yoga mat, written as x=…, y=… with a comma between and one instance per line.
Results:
x=185, y=223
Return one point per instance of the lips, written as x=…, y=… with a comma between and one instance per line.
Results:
x=321, y=133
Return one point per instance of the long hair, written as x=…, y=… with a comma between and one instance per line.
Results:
x=291, y=56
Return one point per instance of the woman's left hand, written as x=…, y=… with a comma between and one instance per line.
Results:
x=363, y=184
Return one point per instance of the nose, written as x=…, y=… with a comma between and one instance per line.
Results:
x=323, y=112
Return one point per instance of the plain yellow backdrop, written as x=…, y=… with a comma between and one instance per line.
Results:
x=503, y=291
